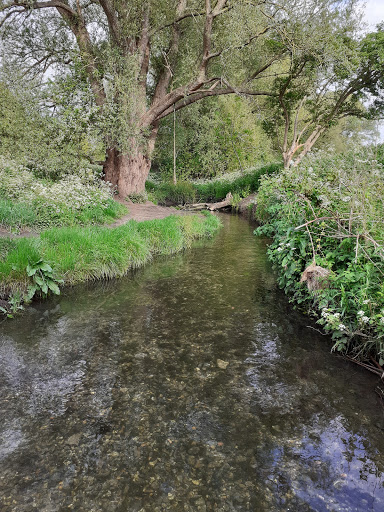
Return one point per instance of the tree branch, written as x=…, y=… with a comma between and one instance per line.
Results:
x=40, y=5
x=199, y=95
x=113, y=22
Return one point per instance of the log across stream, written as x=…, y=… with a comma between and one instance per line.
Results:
x=189, y=385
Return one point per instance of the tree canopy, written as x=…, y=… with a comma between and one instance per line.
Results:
x=135, y=62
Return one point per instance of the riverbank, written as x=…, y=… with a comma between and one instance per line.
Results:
x=240, y=184
x=324, y=219
x=69, y=255
x=192, y=384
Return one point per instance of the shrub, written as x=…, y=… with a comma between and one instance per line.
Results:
x=29, y=201
x=329, y=211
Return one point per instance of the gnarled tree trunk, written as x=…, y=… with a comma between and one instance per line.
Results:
x=126, y=172
x=129, y=171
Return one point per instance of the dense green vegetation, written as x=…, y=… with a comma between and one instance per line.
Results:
x=27, y=201
x=219, y=136
x=329, y=211
x=79, y=254
x=118, y=71
x=240, y=184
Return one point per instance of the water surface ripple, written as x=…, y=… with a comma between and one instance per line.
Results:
x=117, y=396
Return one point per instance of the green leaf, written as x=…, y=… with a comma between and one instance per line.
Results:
x=45, y=267
x=31, y=270
x=39, y=280
x=53, y=286
x=44, y=288
x=31, y=292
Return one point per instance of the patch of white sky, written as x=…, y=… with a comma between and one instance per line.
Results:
x=373, y=14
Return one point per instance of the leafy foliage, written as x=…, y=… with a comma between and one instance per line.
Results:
x=34, y=202
x=240, y=183
x=49, y=145
x=329, y=210
x=218, y=136
x=43, y=279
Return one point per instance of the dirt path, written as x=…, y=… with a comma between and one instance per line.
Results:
x=138, y=212
x=145, y=211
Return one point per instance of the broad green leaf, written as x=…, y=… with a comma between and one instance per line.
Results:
x=31, y=270
x=53, y=286
x=46, y=267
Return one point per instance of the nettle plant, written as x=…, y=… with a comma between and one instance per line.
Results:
x=329, y=211
x=43, y=279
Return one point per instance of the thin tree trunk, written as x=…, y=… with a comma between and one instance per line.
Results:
x=174, y=146
x=310, y=142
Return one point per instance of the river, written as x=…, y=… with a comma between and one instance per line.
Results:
x=190, y=385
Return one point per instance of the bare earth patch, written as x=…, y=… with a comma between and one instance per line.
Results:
x=145, y=211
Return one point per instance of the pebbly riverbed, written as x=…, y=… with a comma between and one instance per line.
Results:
x=189, y=385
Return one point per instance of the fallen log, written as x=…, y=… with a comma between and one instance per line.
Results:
x=222, y=204
x=196, y=206
x=209, y=206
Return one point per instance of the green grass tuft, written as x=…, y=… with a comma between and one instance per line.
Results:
x=81, y=254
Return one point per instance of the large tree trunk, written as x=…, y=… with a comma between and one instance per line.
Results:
x=126, y=172
x=129, y=171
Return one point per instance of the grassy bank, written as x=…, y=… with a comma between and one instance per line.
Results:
x=329, y=213
x=71, y=255
x=240, y=184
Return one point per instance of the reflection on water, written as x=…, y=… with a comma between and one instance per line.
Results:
x=118, y=396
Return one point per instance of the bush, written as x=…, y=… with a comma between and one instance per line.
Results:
x=330, y=211
x=28, y=201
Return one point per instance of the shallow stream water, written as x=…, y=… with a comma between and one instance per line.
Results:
x=189, y=385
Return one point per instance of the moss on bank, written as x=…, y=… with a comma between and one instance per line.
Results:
x=81, y=254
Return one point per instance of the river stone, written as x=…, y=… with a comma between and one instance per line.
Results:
x=74, y=440
x=222, y=364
